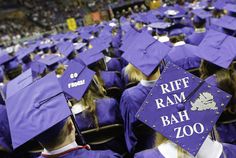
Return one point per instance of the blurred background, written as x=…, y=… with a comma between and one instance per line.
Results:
x=21, y=20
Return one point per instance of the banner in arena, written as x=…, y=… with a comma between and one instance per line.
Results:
x=71, y=23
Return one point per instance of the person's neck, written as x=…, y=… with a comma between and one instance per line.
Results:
x=66, y=142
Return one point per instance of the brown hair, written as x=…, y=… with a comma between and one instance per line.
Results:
x=207, y=69
x=227, y=82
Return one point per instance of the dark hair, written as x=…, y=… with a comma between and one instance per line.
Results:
x=199, y=24
x=13, y=73
x=226, y=81
x=207, y=69
x=175, y=39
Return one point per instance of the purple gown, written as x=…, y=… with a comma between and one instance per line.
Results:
x=227, y=132
x=84, y=153
x=114, y=65
x=130, y=103
x=111, y=79
x=5, y=136
x=107, y=113
x=195, y=38
x=229, y=151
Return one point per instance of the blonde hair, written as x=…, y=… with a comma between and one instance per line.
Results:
x=160, y=139
x=94, y=92
x=134, y=74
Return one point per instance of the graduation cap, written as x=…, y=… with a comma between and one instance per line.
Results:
x=38, y=67
x=30, y=116
x=217, y=48
x=51, y=60
x=22, y=53
x=9, y=62
x=92, y=55
x=66, y=48
x=176, y=32
x=145, y=53
x=226, y=22
x=184, y=56
x=231, y=8
x=78, y=46
x=19, y=83
x=76, y=79
x=183, y=108
x=200, y=15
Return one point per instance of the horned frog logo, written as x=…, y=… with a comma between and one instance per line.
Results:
x=205, y=101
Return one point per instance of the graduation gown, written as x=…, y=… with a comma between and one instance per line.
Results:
x=114, y=65
x=229, y=151
x=195, y=38
x=111, y=79
x=130, y=103
x=84, y=153
x=107, y=112
x=227, y=132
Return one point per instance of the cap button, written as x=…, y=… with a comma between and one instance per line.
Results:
x=180, y=107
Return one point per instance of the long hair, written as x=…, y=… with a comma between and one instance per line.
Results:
x=226, y=81
x=95, y=91
x=207, y=69
x=134, y=75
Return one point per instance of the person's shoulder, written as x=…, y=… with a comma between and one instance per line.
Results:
x=150, y=153
x=107, y=100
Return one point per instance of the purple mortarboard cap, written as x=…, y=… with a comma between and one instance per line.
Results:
x=230, y=7
x=5, y=136
x=38, y=67
x=211, y=80
x=200, y=15
x=160, y=25
x=219, y=4
x=128, y=39
x=79, y=46
x=183, y=108
x=176, y=32
x=226, y=22
x=217, y=48
x=145, y=53
x=12, y=64
x=91, y=56
x=5, y=57
x=24, y=52
x=45, y=107
x=76, y=79
x=19, y=83
x=66, y=48
x=50, y=60
x=184, y=57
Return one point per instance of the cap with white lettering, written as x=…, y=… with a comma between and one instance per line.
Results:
x=76, y=79
x=183, y=108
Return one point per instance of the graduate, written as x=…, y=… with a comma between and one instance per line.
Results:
x=50, y=122
x=199, y=22
x=91, y=107
x=226, y=125
x=216, y=51
x=146, y=57
x=183, y=110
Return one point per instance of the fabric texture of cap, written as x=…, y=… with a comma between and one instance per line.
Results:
x=183, y=108
x=31, y=116
x=145, y=53
x=217, y=48
x=19, y=83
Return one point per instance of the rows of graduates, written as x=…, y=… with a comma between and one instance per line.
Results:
x=107, y=77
